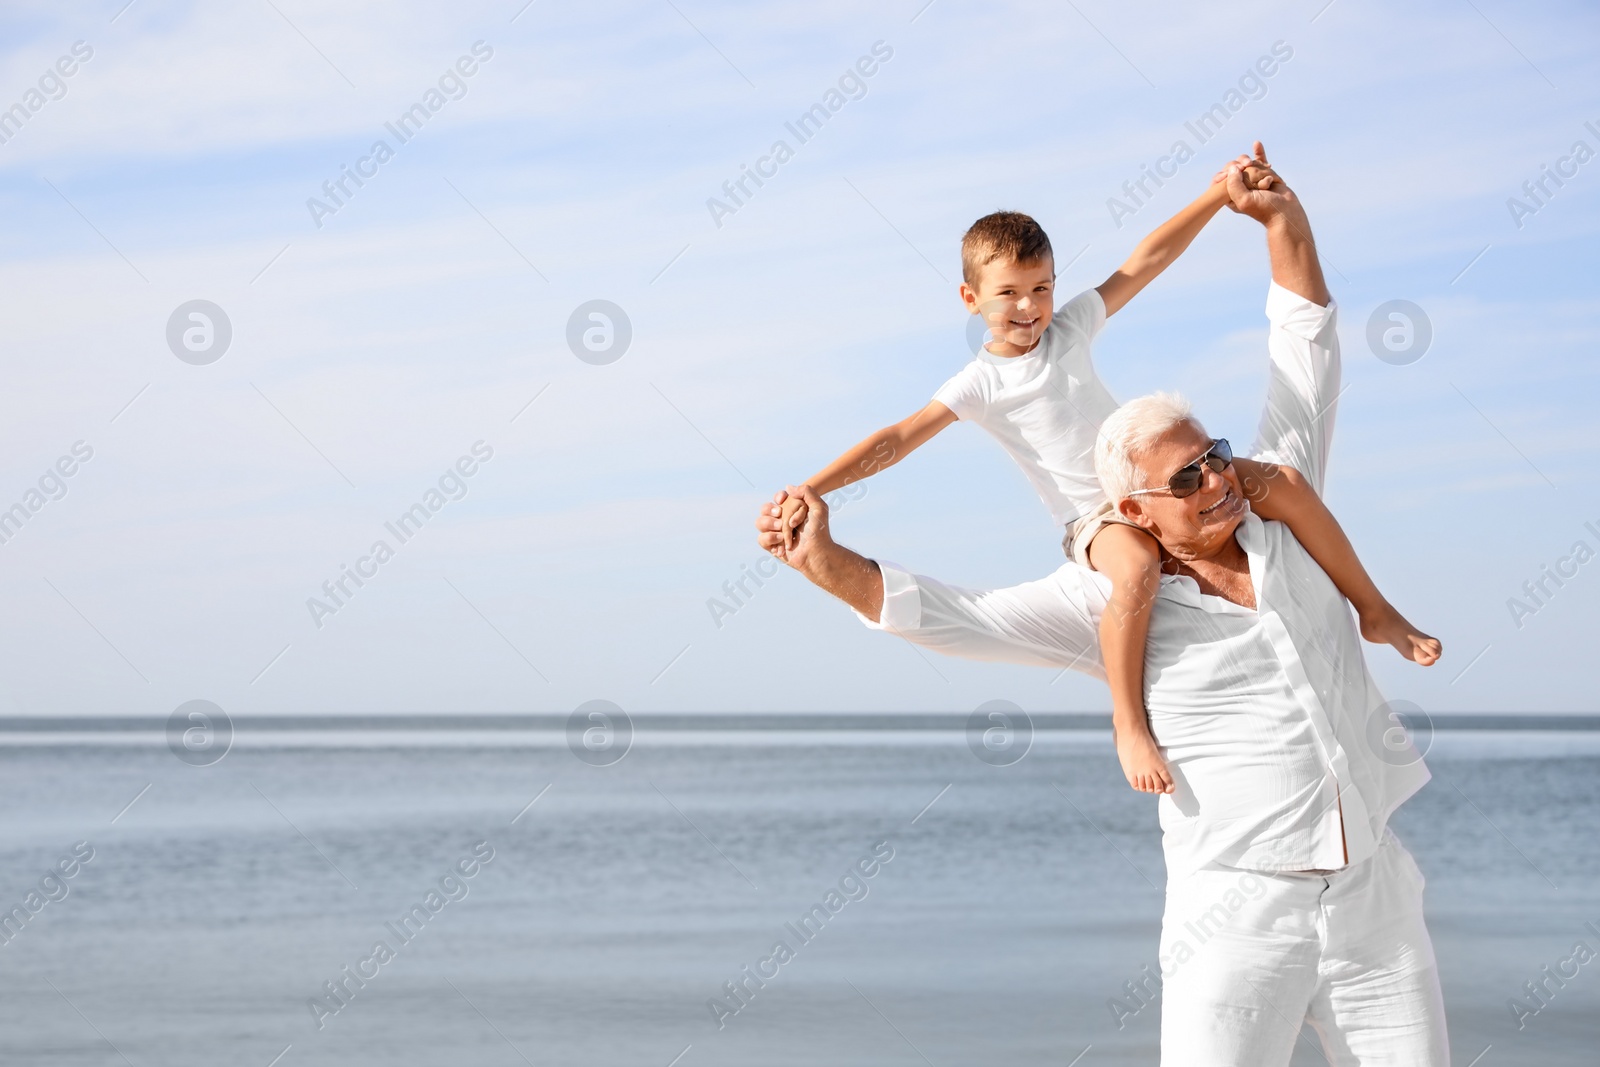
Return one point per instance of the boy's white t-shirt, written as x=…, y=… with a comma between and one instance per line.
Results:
x=1045, y=408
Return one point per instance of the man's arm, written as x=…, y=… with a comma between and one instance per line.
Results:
x=1050, y=622
x=1295, y=265
x=831, y=567
x=1294, y=253
x=1303, y=385
x=1167, y=242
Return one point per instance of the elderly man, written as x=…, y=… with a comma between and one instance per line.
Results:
x=1288, y=898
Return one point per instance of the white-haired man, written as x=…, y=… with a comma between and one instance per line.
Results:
x=1276, y=837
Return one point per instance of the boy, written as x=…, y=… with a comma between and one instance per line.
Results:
x=1033, y=387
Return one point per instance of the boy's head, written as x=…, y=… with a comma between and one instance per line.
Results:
x=1008, y=272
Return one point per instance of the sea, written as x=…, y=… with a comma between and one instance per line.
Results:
x=434, y=895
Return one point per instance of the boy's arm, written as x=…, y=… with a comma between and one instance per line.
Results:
x=882, y=449
x=869, y=456
x=1167, y=242
x=1284, y=494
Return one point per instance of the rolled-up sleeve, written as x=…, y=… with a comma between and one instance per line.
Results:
x=1051, y=622
x=1303, y=385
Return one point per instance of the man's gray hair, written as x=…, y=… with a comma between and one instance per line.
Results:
x=1129, y=432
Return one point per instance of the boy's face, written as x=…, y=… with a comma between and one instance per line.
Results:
x=1015, y=300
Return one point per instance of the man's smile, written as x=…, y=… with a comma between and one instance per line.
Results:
x=1227, y=498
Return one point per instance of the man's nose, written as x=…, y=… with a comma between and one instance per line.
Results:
x=1212, y=485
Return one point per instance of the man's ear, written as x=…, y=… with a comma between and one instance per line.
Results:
x=1130, y=508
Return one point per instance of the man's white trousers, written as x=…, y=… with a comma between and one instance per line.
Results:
x=1247, y=956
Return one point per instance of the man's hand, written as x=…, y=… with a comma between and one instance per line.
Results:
x=1256, y=190
x=794, y=525
x=1272, y=203
x=1258, y=173
x=849, y=576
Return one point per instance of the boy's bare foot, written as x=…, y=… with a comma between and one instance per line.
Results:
x=1389, y=627
x=1142, y=762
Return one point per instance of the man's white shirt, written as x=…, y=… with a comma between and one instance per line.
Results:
x=1044, y=408
x=1282, y=750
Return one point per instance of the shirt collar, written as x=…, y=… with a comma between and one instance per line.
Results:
x=1252, y=537
x=1251, y=534
x=1184, y=590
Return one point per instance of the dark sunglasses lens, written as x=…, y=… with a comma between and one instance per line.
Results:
x=1185, y=483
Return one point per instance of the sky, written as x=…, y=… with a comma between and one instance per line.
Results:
x=387, y=337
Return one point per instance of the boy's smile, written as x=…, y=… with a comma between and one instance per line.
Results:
x=1016, y=301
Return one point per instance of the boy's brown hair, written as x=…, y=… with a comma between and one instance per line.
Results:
x=1007, y=235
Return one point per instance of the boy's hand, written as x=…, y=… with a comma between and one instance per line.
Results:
x=1143, y=764
x=1256, y=176
x=1258, y=173
x=792, y=513
x=1168, y=241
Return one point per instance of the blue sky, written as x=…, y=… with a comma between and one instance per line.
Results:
x=371, y=352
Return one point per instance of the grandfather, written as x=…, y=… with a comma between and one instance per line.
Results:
x=1260, y=698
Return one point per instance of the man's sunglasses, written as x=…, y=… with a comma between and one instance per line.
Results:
x=1187, y=480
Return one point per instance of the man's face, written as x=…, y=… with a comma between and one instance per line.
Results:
x=1015, y=300
x=1191, y=527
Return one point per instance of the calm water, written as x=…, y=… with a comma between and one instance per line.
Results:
x=622, y=900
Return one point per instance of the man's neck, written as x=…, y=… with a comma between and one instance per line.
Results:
x=1225, y=574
